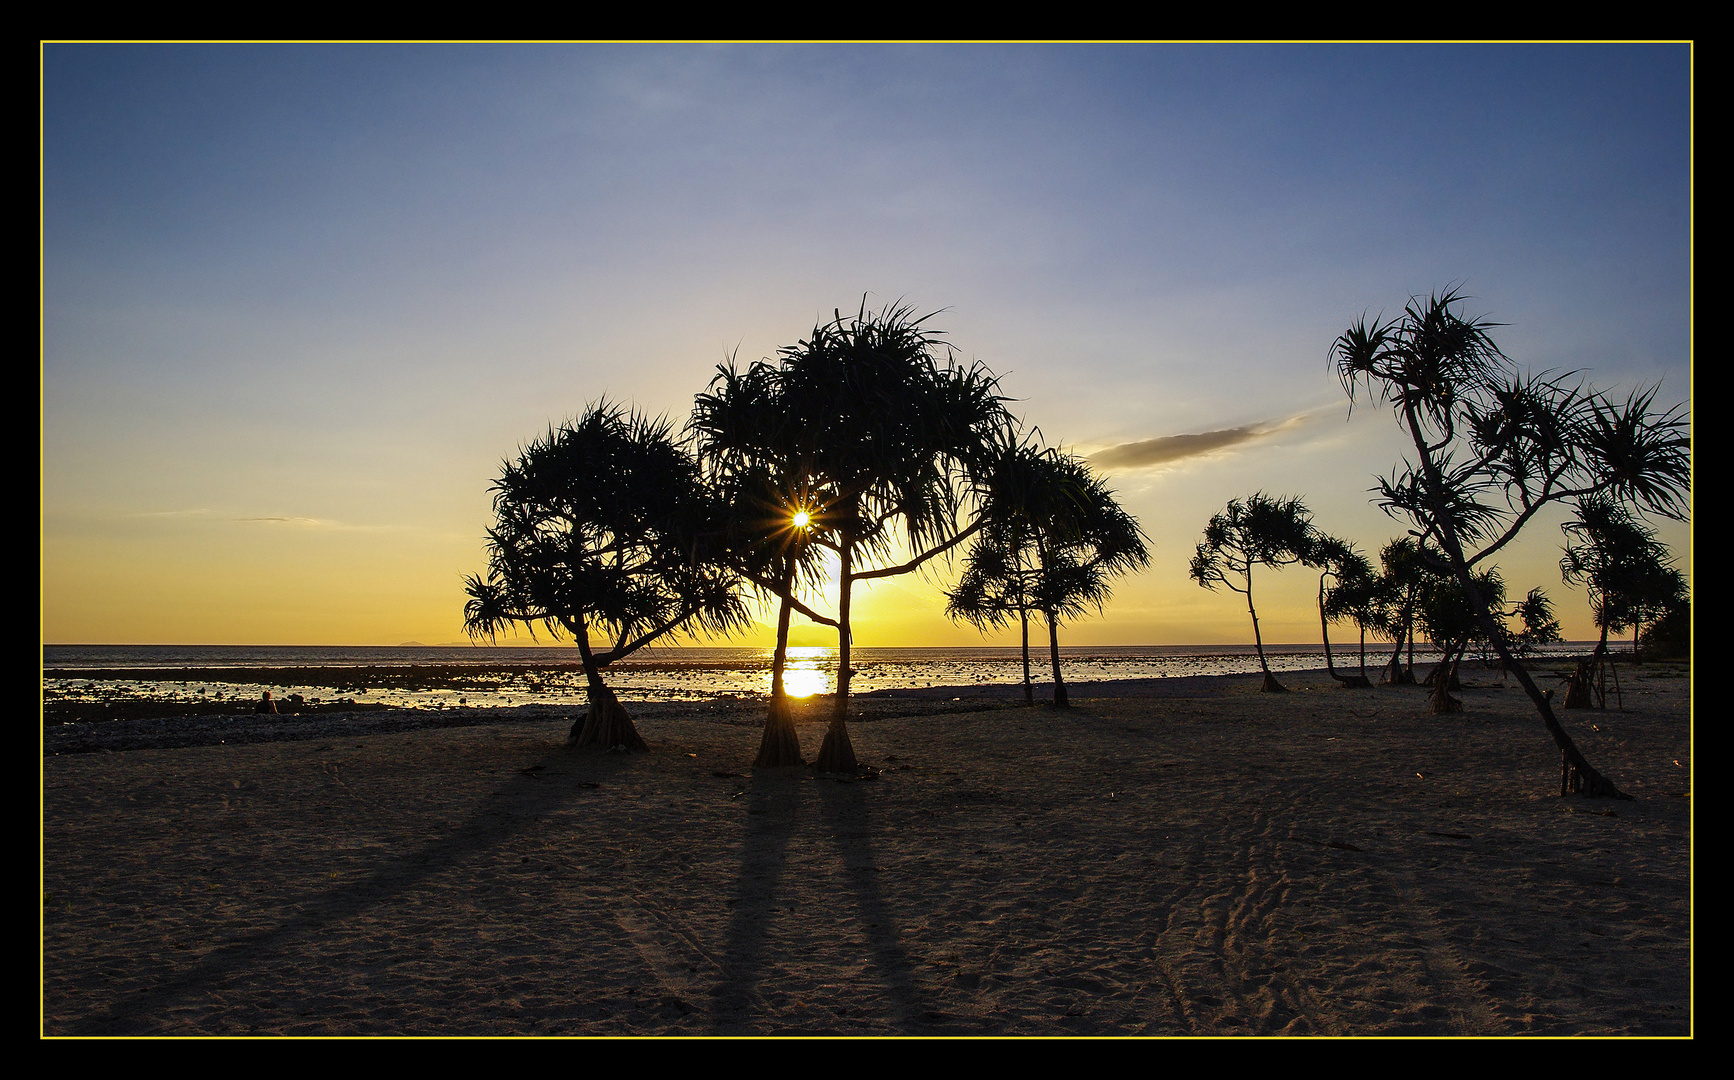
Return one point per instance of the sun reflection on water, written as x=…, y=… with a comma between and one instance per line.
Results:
x=810, y=670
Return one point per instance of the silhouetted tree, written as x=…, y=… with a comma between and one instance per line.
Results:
x=1397, y=597
x=1453, y=625
x=1053, y=539
x=1628, y=575
x=887, y=437
x=1492, y=448
x=602, y=526
x=1670, y=636
x=1257, y=531
x=1347, y=589
x=759, y=458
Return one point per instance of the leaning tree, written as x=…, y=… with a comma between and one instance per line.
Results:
x=1494, y=446
x=1255, y=531
x=603, y=526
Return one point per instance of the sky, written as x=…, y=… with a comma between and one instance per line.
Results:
x=299, y=302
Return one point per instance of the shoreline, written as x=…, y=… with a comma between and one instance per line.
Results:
x=1326, y=862
x=161, y=725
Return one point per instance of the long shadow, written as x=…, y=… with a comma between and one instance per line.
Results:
x=776, y=800
x=485, y=829
x=848, y=812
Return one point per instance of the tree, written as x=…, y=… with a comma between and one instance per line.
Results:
x=1452, y=624
x=1493, y=447
x=1053, y=539
x=1259, y=531
x=1353, y=595
x=603, y=526
x=1670, y=636
x=760, y=460
x=1397, y=598
x=885, y=439
x=1628, y=575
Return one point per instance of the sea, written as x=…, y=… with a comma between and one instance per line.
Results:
x=479, y=676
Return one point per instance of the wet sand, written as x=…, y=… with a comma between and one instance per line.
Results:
x=1193, y=858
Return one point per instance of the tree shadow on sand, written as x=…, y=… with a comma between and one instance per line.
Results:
x=778, y=799
x=515, y=808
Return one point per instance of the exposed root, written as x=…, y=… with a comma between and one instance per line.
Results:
x=781, y=746
x=606, y=728
x=1580, y=688
x=837, y=753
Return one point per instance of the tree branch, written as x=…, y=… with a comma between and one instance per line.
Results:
x=893, y=571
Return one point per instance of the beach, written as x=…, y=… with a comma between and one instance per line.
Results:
x=1170, y=857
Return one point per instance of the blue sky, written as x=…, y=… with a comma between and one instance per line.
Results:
x=300, y=300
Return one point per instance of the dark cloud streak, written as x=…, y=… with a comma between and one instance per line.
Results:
x=1169, y=448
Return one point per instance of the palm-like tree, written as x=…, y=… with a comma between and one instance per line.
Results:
x=1347, y=589
x=1628, y=575
x=1255, y=531
x=1493, y=447
x=1396, y=594
x=882, y=436
x=759, y=458
x=603, y=526
x=995, y=586
x=1451, y=623
x=1054, y=538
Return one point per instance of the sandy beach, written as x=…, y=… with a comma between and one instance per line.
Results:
x=1179, y=857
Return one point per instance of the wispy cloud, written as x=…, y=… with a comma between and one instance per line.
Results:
x=1167, y=449
x=290, y=520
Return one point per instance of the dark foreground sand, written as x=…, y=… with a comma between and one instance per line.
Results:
x=1199, y=860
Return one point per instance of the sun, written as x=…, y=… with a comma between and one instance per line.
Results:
x=802, y=519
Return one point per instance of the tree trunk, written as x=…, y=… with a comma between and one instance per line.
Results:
x=837, y=752
x=1444, y=680
x=1580, y=691
x=1394, y=673
x=607, y=727
x=1061, y=701
x=780, y=746
x=1029, y=687
x=1271, y=686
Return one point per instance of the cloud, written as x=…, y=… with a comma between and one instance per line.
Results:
x=1171, y=448
x=297, y=521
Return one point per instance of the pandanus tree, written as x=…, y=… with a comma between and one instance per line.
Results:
x=760, y=461
x=1453, y=626
x=1493, y=447
x=1347, y=590
x=1052, y=541
x=1256, y=531
x=603, y=527
x=883, y=432
x=1628, y=575
x=1451, y=623
x=1396, y=598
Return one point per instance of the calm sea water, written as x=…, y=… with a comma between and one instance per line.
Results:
x=655, y=674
